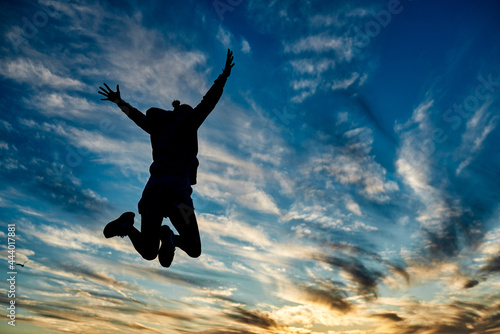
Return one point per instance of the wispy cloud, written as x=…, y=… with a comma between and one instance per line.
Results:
x=320, y=44
x=132, y=155
x=352, y=163
x=36, y=74
x=224, y=37
x=65, y=106
x=479, y=126
x=323, y=51
x=245, y=46
x=415, y=161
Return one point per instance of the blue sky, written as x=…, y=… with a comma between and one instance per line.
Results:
x=348, y=180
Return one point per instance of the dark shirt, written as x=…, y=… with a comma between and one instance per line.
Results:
x=174, y=134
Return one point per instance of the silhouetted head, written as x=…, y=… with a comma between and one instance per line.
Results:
x=181, y=108
x=159, y=115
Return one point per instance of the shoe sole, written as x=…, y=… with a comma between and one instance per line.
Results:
x=168, y=244
x=109, y=229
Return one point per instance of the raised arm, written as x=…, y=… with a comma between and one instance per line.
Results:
x=136, y=115
x=202, y=110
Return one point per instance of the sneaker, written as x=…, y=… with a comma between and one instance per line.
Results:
x=120, y=226
x=167, y=249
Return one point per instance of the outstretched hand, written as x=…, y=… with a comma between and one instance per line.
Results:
x=110, y=95
x=229, y=63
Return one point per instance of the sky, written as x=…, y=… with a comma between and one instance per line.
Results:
x=348, y=182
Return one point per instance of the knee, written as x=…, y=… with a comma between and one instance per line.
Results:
x=150, y=256
x=165, y=263
x=194, y=252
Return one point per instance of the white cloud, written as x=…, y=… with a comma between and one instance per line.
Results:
x=149, y=73
x=130, y=155
x=312, y=66
x=361, y=226
x=314, y=73
x=414, y=164
x=306, y=86
x=340, y=18
x=323, y=47
x=342, y=117
x=245, y=46
x=154, y=80
x=224, y=190
x=6, y=126
x=75, y=238
x=36, y=74
x=353, y=207
x=479, y=126
x=222, y=227
x=224, y=37
x=212, y=152
x=66, y=106
x=322, y=20
x=353, y=164
x=345, y=83
x=322, y=43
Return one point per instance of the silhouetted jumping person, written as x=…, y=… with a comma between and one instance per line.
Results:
x=168, y=192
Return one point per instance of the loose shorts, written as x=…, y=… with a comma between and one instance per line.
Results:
x=164, y=193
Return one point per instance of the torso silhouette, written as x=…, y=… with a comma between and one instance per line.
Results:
x=174, y=134
x=174, y=138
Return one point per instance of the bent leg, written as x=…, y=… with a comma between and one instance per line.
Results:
x=184, y=221
x=147, y=241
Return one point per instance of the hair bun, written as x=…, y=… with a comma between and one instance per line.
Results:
x=176, y=103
